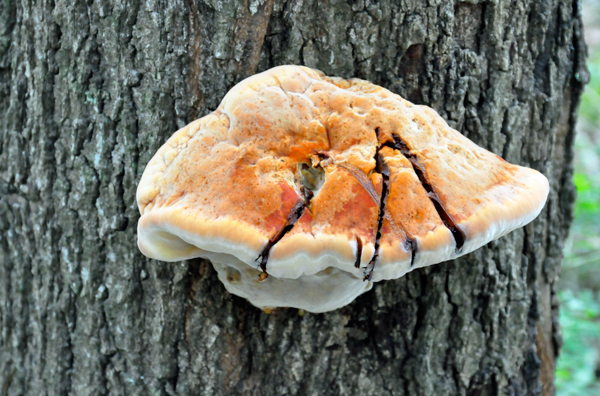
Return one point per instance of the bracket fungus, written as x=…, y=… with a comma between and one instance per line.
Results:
x=303, y=190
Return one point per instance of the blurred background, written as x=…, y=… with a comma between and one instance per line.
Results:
x=578, y=371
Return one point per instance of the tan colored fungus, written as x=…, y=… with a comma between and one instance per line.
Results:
x=304, y=189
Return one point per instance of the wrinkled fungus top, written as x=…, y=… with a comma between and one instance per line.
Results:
x=297, y=172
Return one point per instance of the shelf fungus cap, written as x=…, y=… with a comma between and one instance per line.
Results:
x=303, y=190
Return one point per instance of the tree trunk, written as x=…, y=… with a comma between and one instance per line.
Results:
x=89, y=90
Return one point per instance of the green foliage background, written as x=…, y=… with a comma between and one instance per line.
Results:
x=578, y=371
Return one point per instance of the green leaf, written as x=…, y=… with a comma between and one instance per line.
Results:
x=582, y=182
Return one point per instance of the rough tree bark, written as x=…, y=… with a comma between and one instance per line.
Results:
x=89, y=90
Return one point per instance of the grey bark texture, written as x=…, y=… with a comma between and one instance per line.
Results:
x=89, y=90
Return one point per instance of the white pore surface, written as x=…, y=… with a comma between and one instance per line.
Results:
x=324, y=291
x=325, y=255
x=163, y=240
